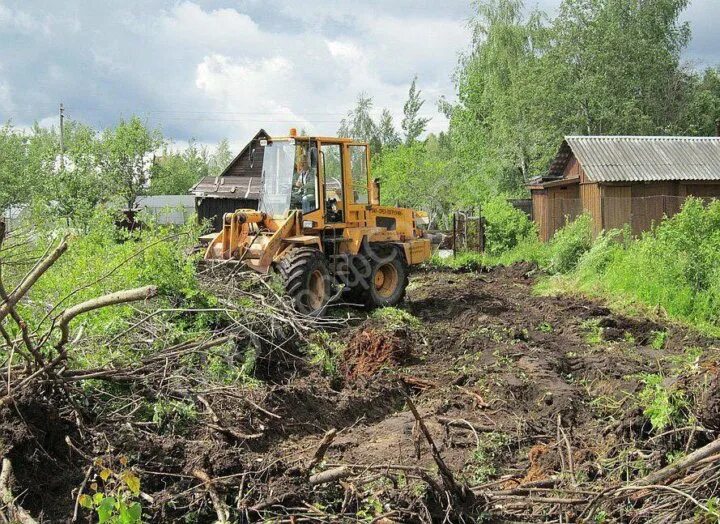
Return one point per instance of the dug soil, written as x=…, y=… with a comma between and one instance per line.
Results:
x=515, y=389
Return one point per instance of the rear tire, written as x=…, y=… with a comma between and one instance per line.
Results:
x=388, y=279
x=306, y=278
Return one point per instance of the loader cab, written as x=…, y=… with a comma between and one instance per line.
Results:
x=327, y=179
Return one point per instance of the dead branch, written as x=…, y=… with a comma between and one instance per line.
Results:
x=445, y=473
x=31, y=278
x=220, y=508
x=321, y=449
x=330, y=475
x=673, y=469
x=465, y=424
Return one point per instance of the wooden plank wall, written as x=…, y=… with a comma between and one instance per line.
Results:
x=616, y=206
x=651, y=202
x=563, y=205
x=249, y=163
x=539, y=211
x=591, y=203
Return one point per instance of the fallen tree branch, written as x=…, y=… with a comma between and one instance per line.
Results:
x=659, y=476
x=111, y=299
x=31, y=278
x=220, y=508
x=329, y=475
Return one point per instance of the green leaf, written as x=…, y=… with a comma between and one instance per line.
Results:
x=86, y=501
x=131, y=514
x=106, y=509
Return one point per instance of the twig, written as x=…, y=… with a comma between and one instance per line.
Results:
x=321, y=449
x=220, y=508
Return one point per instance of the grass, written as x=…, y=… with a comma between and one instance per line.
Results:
x=662, y=405
x=394, y=318
x=672, y=270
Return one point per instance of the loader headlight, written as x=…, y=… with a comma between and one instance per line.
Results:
x=309, y=224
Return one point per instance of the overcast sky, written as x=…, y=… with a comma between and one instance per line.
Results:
x=208, y=69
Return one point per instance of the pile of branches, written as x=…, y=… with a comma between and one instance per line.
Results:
x=39, y=362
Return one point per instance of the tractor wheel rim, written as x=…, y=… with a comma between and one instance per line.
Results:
x=386, y=280
x=316, y=288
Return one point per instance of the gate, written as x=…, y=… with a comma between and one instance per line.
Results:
x=468, y=232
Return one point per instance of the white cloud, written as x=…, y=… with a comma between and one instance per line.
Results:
x=23, y=22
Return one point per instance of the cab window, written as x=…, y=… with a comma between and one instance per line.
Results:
x=359, y=174
x=304, y=191
x=332, y=170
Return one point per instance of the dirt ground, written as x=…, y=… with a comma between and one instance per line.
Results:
x=515, y=390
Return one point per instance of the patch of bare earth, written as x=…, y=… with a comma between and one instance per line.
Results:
x=521, y=416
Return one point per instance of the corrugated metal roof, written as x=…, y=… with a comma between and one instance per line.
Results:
x=161, y=201
x=646, y=158
x=228, y=187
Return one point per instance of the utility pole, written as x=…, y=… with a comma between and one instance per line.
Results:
x=62, y=137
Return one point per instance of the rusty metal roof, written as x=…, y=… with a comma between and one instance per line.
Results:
x=645, y=158
x=243, y=187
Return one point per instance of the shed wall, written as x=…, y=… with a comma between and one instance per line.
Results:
x=592, y=204
x=616, y=206
x=213, y=209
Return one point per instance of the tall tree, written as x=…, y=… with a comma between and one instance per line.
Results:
x=78, y=185
x=174, y=173
x=386, y=130
x=127, y=157
x=412, y=124
x=358, y=123
x=221, y=158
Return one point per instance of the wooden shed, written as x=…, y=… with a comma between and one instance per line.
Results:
x=237, y=187
x=619, y=180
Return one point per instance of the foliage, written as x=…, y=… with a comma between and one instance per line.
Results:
x=489, y=449
x=324, y=351
x=570, y=243
x=358, y=123
x=505, y=226
x=413, y=125
x=659, y=339
x=388, y=136
x=529, y=80
x=173, y=416
x=221, y=158
x=103, y=260
x=661, y=404
x=393, y=318
x=414, y=176
x=127, y=158
x=116, y=503
x=175, y=172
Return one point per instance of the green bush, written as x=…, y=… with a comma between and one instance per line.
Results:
x=104, y=260
x=675, y=266
x=505, y=226
x=569, y=244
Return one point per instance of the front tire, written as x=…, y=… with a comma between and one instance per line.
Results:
x=306, y=278
x=388, y=279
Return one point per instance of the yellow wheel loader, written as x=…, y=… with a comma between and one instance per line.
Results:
x=320, y=226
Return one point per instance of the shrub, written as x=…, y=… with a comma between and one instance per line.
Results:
x=505, y=226
x=569, y=244
x=676, y=265
x=661, y=405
